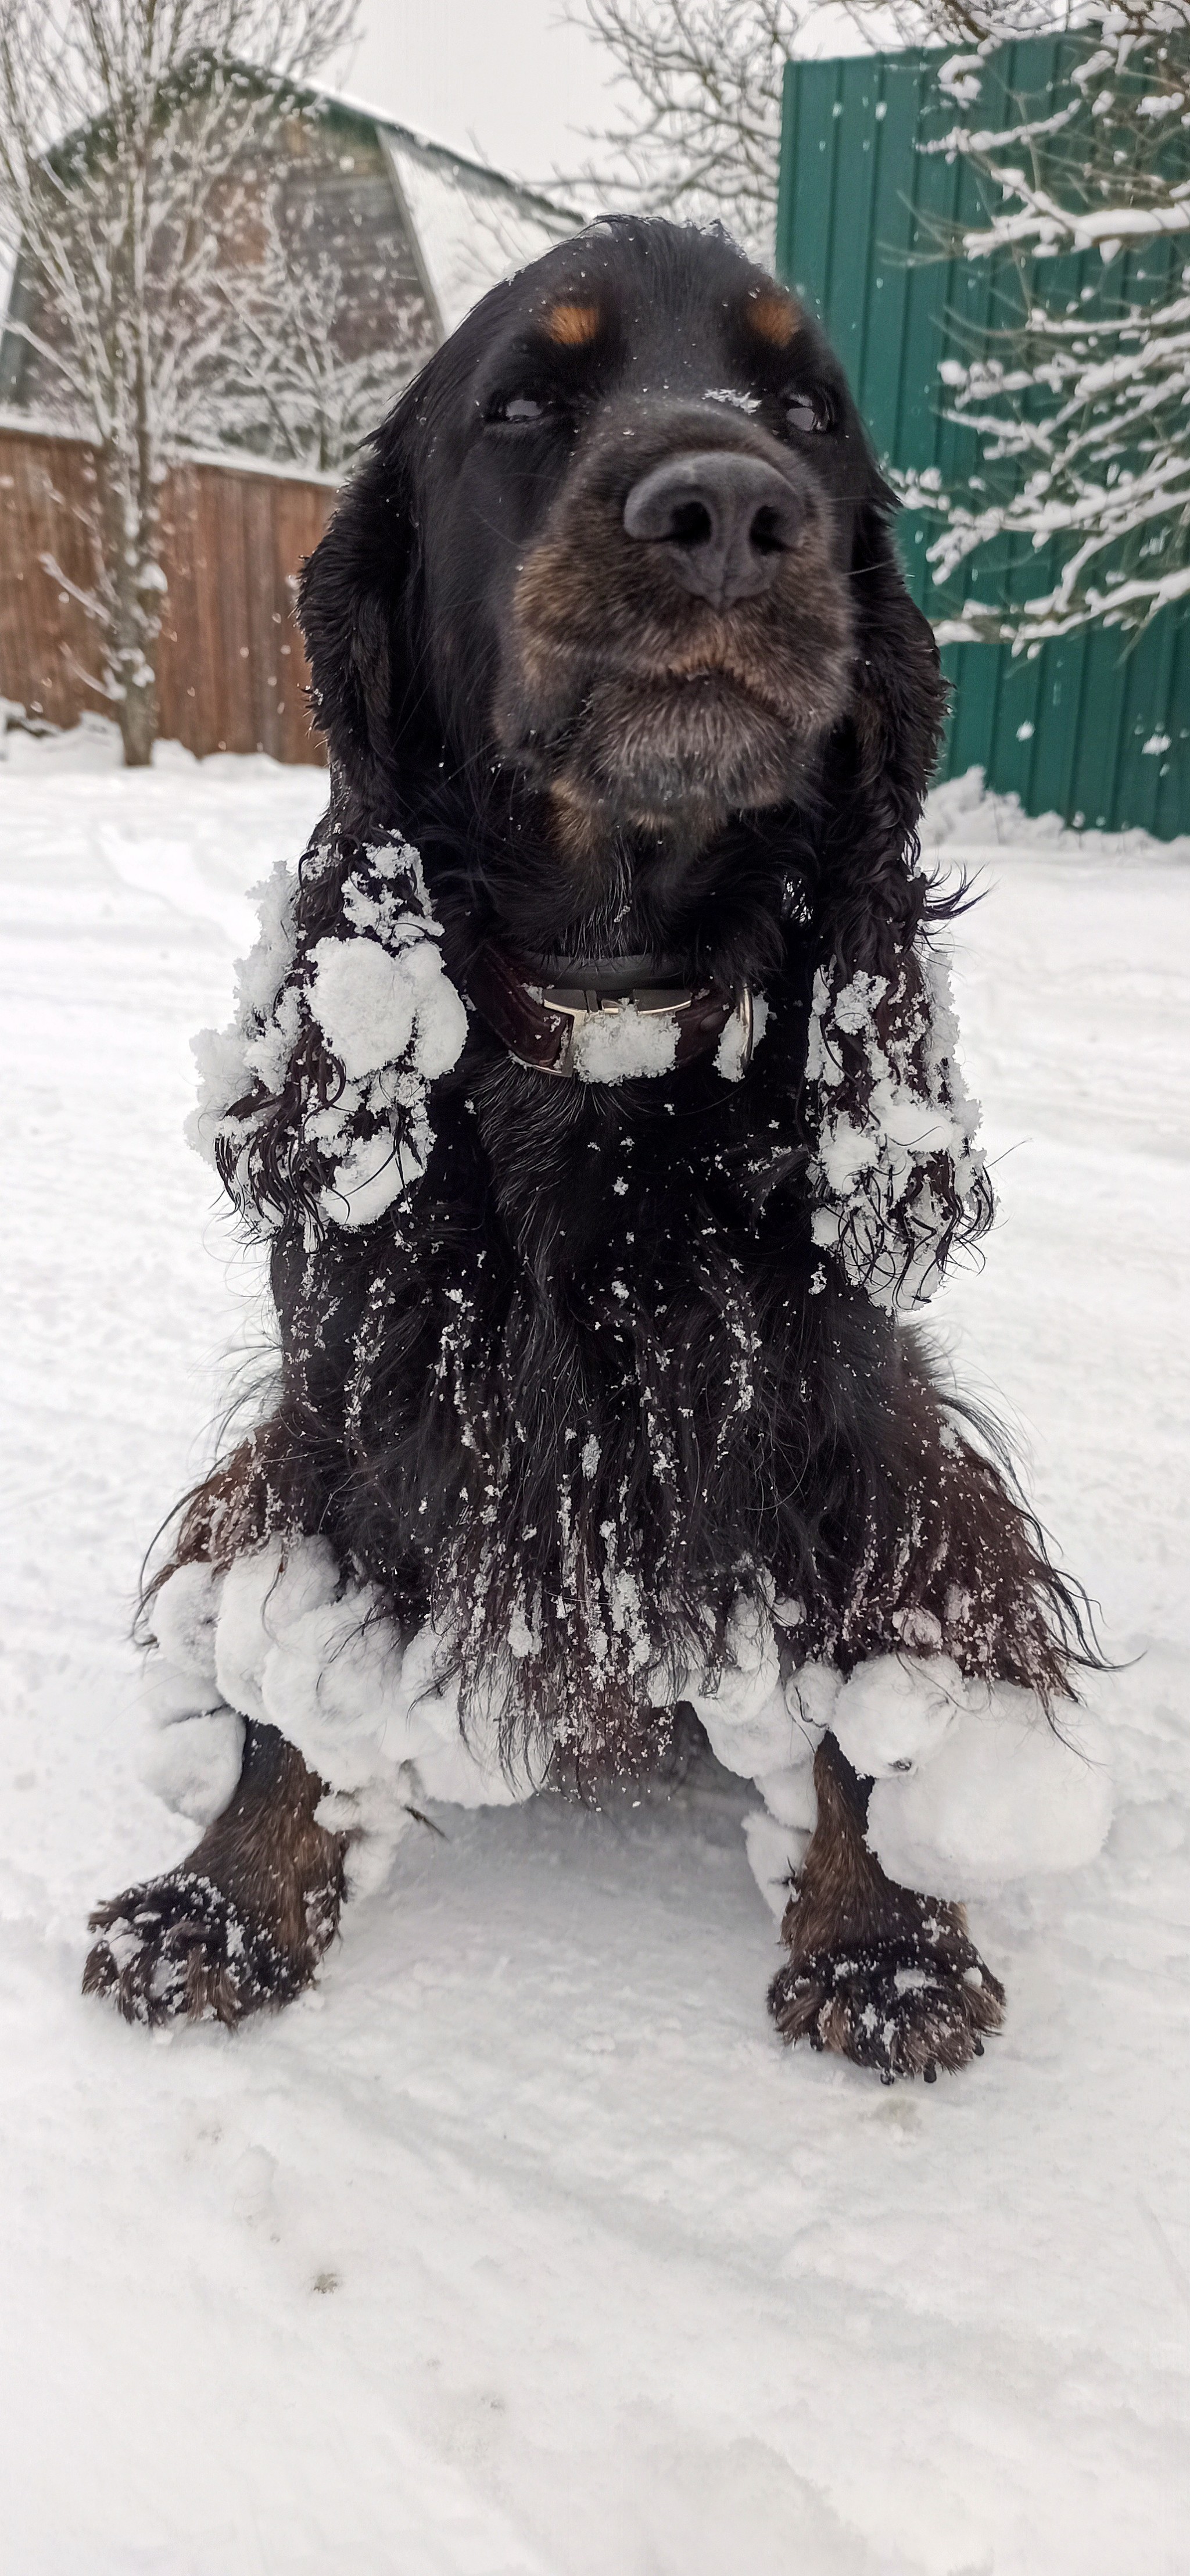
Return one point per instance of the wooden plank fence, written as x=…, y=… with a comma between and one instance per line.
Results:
x=232, y=672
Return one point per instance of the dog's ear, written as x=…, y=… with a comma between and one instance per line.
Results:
x=881, y=1064
x=882, y=760
x=358, y=609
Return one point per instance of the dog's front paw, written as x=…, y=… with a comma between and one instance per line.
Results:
x=894, y=2006
x=178, y=1950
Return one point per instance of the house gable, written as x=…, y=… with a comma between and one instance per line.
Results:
x=354, y=246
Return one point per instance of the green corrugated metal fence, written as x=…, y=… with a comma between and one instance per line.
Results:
x=861, y=209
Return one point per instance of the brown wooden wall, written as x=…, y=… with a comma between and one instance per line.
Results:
x=232, y=672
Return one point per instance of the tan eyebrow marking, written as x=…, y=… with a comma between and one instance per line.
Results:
x=573, y=325
x=774, y=317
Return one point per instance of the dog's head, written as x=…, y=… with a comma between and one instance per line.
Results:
x=623, y=547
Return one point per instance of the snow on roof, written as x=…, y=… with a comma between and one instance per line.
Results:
x=370, y=114
x=470, y=226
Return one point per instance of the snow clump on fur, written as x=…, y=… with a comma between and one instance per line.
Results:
x=1003, y=1797
x=254, y=1049
x=893, y=1712
x=319, y=1086
x=972, y=1789
x=896, y=1175
x=194, y=1766
x=185, y=1613
x=613, y=1045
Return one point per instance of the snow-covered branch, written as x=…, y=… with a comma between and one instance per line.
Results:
x=1082, y=408
x=700, y=82
x=1050, y=228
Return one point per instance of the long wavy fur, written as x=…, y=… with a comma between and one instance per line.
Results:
x=593, y=1377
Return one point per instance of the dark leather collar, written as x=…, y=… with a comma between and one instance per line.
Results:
x=540, y=1021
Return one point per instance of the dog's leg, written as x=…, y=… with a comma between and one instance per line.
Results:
x=245, y=1920
x=883, y=1976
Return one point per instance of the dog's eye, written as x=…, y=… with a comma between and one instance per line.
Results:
x=517, y=411
x=808, y=412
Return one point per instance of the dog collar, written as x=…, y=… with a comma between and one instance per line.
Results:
x=542, y=1022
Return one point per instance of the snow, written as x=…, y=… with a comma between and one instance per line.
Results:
x=262, y=1595
x=887, y=1125
x=521, y=2248
x=185, y=1613
x=388, y=1012
x=618, y=1041
x=896, y=1711
x=472, y=227
x=999, y=1797
x=749, y=1720
x=1089, y=400
x=369, y=1005
x=194, y=1767
x=314, y=1654
x=738, y=1043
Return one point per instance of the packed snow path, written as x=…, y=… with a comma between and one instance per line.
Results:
x=521, y=2248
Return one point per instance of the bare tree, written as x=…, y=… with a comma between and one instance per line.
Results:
x=127, y=129
x=303, y=372
x=701, y=83
x=1082, y=408
x=977, y=23
x=281, y=379
x=701, y=129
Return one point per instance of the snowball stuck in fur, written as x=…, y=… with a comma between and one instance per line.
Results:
x=757, y=1724
x=612, y=1046
x=374, y=1171
x=893, y=1117
x=195, y=1767
x=377, y=1818
x=333, y=1684
x=224, y=1056
x=360, y=1708
x=893, y=1712
x=744, y=1711
x=168, y=1697
x=811, y=1695
x=749, y=1734
x=466, y=1770
x=462, y=1770
x=733, y=1053
x=775, y=1855
x=791, y=1797
x=371, y=1002
x=263, y=1593
x=378, y=994
x=184, y=1614
x=1002, y=1798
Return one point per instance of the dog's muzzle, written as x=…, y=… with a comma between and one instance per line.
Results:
x=542, y=1023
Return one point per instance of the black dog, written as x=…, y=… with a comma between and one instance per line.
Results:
x=610, y=628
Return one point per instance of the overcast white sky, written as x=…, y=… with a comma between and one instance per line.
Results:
x=507, y=79
x=503, y=78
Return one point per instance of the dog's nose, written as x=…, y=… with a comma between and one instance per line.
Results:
x=727, y=520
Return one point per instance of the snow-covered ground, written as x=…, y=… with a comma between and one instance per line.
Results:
x=522, y=2248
